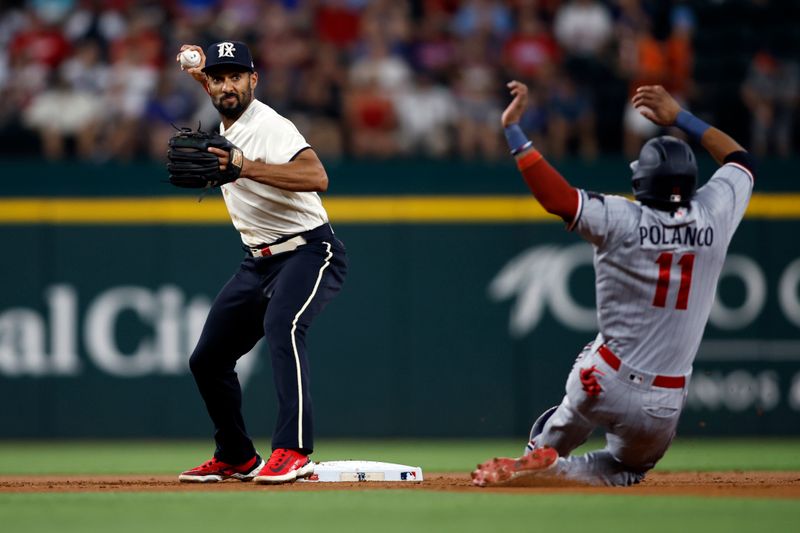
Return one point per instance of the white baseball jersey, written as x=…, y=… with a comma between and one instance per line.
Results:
x=260, y=212
x=656, y=272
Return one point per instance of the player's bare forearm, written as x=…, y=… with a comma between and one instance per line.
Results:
x=719, y=144
x=304, y=174
x=657, y=105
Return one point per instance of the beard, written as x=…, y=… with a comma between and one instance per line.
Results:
x=233, y=108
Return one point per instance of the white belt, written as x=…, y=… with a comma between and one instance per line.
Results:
x=281, y=247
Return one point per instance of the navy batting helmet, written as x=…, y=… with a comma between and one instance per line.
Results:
x=665, y=176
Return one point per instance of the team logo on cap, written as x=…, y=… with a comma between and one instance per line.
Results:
x=226, y=49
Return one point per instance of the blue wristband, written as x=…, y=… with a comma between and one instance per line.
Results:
x=517, y=140
x=691, y=124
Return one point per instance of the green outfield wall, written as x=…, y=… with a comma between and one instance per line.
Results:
x=462, y=313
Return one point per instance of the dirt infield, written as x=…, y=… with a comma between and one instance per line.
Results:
x=724, y=484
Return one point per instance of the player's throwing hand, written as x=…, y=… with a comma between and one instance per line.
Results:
x=656, y=104
x=516, y=108
x=196, y=72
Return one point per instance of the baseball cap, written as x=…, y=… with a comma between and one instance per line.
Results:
x=229, y=53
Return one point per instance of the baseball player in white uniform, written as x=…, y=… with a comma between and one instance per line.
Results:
x=657, y=261
x=293, y=266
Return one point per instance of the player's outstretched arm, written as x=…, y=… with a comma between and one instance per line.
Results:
x=656, y=104
x=546, y=183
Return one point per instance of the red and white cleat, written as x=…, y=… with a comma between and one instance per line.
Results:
x=285, y=466
x=501, y=470
x=215, y=470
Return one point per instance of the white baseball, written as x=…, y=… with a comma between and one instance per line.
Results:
x=190, y=58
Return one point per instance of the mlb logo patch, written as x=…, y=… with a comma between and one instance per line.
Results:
x=636, y=378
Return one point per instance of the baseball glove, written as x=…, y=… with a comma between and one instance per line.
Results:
x=192, y=166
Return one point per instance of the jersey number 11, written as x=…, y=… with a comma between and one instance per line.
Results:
x=686, y=262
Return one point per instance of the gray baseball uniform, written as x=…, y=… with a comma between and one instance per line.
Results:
x=656, y=274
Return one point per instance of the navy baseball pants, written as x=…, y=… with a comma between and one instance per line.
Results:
x=276, y=297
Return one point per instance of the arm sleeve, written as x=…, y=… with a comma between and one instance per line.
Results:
x=744, y=160
x=549, y=187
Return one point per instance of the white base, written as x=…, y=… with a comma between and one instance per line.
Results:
x=354, y=471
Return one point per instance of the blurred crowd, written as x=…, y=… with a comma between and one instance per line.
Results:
x=97, y=79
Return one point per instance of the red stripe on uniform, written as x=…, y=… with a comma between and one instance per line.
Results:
x=609, y=357
x=667, y=382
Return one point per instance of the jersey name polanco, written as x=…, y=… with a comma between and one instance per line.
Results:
x=656, y=273
x=261, y=213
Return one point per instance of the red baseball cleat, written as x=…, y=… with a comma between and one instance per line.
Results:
x=501, y=470
x=215, y=470
x=285, y=466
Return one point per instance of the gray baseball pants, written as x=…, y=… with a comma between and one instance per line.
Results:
x=639, y=419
